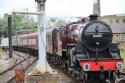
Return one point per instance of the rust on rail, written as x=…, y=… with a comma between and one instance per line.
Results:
x=20, y=75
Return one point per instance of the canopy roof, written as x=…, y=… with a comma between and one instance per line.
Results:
x=119, y=28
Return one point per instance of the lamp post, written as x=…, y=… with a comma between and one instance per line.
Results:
x=10, y=35
x=42, y=64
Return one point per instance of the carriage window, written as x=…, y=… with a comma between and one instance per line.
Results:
x=123, y=20
x=66, y=31
x=117, y=20
x=48, y=37
x=60, y=36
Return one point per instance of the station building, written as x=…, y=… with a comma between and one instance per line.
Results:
x=114, y=19
x=117, y=23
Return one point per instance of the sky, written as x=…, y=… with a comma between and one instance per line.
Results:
x=63, y=8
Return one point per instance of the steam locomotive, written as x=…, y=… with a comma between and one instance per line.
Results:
x=85, y=50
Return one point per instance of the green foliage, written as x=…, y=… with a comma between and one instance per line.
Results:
x=60, y=23
x=31, y=26
x=122, y=52
x=20, y=25
x=53, y=20
x=17, y=24
x=3, y=27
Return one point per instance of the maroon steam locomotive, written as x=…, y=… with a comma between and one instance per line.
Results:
x=85, y=50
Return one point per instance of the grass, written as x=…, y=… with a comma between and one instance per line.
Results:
x=1, y=57
x=3, y=54
x=122, y=52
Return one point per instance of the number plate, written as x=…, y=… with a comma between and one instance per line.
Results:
x=97, y=35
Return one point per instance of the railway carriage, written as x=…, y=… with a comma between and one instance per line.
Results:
x=54, y=44
x=27, y=43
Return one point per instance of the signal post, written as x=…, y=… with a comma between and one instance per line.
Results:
x=42, y=65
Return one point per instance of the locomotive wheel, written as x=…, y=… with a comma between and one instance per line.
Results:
x=85, y=81
x=61, y=63
x=53, y=58
x=69, y=62
x=56, y=60
x=71, y=57
x=111, y=81
x=85, y=78
x=70, y=71
x=93, y=80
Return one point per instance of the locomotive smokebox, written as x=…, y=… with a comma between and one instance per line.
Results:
x=96, y=35
x=93, y=17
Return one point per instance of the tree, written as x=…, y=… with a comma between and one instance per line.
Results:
x=17, y=25
x=31, y=26
x=21, y=25
x=3, y=27
x=53, y=20
x=60, y=23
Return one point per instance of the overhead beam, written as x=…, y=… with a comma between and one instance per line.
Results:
x=39, y=1
x=25, y=12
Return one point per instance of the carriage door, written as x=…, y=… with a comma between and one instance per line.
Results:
x=54, y=41
x=59, y=42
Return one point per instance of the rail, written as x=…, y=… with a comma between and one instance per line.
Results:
x=9, y=74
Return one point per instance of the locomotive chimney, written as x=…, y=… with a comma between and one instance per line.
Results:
x=93, y=17
x=96, y=7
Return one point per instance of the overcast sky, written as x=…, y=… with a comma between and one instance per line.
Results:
x=65, y=7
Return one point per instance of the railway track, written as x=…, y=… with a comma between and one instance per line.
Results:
x=8, y=75
x=64, y=75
